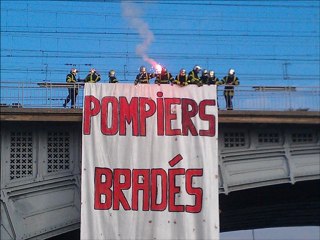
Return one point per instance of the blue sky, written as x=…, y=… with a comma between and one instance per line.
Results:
x=266, y=42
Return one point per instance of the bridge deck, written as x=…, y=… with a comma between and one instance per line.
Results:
x=235, y=116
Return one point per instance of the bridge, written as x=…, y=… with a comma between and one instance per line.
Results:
x=268, y=162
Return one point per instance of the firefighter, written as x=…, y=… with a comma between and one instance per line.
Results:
x=143, y=77
x=182, y=78
x=229, y=81
x=72, y=90
x=193, y=77
x=112, y=76
x=212, y=79
x=204, y=76
x=164, y=77
x=93, y=76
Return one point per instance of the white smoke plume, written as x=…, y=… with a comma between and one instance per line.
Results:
x=133, y=16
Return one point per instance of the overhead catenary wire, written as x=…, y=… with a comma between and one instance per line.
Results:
x=107, y=35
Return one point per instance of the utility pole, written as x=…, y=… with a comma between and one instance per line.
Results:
x=125, y=72
x=46, y=71
x=285, y=71
x=253, y=237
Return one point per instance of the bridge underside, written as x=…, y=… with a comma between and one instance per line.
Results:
x=269, y=172
x=282, y=205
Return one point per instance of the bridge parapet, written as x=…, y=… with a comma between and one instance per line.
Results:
x=53, y=94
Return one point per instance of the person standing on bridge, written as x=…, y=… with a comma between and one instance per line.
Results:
x=112, y=77
x=229, y=81
x=213, y=80
x=143, y=77
x=73, y=89
x=204, y=76
x=193, y=77
x=164, y=77
x=93, y=76
x=182, y=78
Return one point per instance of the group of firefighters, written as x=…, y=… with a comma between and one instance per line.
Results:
x=92, y=77
x=197, y=76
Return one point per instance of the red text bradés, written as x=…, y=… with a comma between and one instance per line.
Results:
x=116, y=113
x=159, y=189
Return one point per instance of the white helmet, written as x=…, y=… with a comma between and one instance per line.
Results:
x=231, y=71
x=211, y=73
x=182, y=71
x=197, y=68
x=204, y=72
x=74, y=70
x=92, y=70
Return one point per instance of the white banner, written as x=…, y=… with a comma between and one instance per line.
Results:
x=149, y=162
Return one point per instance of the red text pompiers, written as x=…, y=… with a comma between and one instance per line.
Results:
x=139, y=109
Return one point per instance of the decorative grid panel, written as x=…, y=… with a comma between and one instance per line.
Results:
x=58, y=151
x=234, y=139
x=302, y=137
x=21, y=156
x=268, y=138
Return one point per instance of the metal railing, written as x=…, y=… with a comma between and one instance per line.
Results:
x=53, y=95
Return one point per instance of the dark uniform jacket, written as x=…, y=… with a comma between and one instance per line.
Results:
x=143, y=78
x=113, y=80
x=230, y=81
x=181, y=80
x=92, y=77
x=193, y=78
x=204, y=79
x=164, y=78
x=71, y=78
x=212, y=81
